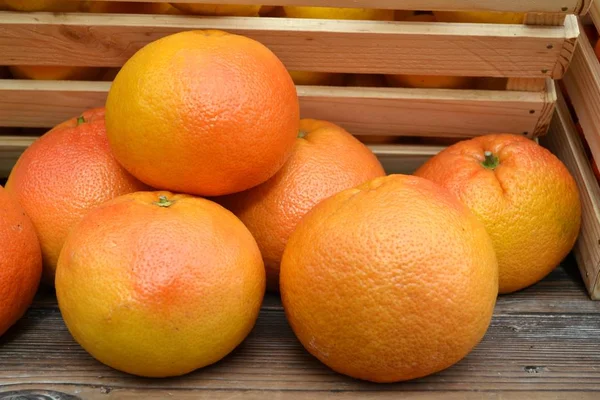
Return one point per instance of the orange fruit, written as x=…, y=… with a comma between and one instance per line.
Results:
x=389, y=281
x=127, y=7
x=20, y=261
x=157, y=284
x=523, y=194
x=326, y=160
x=62, y=175
x=429, y=81
x=338, y=13
x=203, y=112
x=218, y=9
x=54, y=73
x=43, y=5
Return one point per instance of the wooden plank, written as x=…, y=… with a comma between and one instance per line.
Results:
x=582, y=82
x=546, y=6
x=537, y=352
x=396, y=159
x=362, y=111
x=595, y=14
x=302, y=44
x=563, y=141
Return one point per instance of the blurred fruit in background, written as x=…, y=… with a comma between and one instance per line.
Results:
x=430, y=81
x=482, y=17
x=218, y=9
x=54, y=73
x=338, y=13
x=43, y=5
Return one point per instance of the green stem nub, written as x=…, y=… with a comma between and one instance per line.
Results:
x=491, y=161
x=163, y=202
x=80, y=120
x=302, y=134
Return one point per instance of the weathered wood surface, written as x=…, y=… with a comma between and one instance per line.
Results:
x=543, y=343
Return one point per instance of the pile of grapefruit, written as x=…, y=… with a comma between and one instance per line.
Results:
x=163, y=218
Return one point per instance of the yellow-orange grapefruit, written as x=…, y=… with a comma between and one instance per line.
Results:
x=20, y=261
x=158, y=285
x=389, y=281
x=523, y=194
x=203, y=112
x=62, y=175
x=326, y=160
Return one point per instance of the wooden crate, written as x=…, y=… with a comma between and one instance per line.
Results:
x=564, y=141
x=526, y=57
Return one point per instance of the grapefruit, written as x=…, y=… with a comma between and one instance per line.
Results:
x=127, y=7
x=389, y=281
x=523, y=194
x=429, y=81
x=62, y=175
x=156, y=284
x=326, y=160
x=20, y=261
x=203, y=112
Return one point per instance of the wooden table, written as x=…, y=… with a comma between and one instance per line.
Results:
x=544, y=343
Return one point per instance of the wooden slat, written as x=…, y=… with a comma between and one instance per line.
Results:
x=582, y=82
x=396, y=159
x=562, y=140
x=595, y=13
x=542, y=344
x=362, y=111
x=319, y=45
x=548, y=6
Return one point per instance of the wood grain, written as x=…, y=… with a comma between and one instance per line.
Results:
x=542, y=344
x=564, y=141
x=362, y=111
x=484, y=50
x=396, y=159
x=549, y=6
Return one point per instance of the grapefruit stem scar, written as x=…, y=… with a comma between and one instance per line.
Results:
x=163, y=202
x=302, y=134
x=491, y=161
x=80, y=120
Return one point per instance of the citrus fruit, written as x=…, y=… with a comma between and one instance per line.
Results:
x=429, y=81
x=63, y=174
x=389, y=281
x=53, y=73
x=326, y=160
x=480, y=17
x=203, y=112
x=156, y=284
x=20, y=261
x=42, y=5
x=218, y=9
x=267, y=10
x=338, y=13
x=523, y=194
x=127, y=7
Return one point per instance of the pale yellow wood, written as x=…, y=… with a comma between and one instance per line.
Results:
x=595, y=13
x=583, y=85
x=396, y=159
x=549, y=6
x=526, y=84
x=551, y=19
x=363, y=111
x=319, y=45
x=563, y=140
